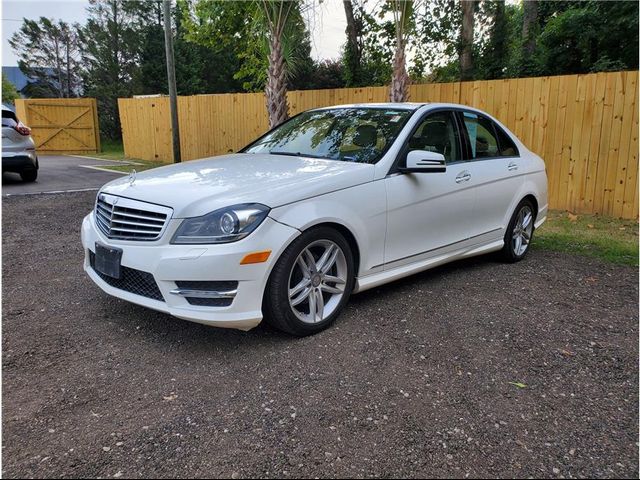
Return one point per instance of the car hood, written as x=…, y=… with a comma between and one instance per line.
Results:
x=198, y=187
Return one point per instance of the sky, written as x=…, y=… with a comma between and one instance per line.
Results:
x=327, y=28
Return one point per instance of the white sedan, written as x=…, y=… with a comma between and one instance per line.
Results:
x=335, y=201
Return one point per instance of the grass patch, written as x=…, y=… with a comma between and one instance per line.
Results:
x=131, y=164
x=113, y=150
x=110, y=150
x=607, y=238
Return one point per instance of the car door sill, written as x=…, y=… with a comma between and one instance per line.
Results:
x=405, y=270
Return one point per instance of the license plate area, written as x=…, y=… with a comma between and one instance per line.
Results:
x=107, y=260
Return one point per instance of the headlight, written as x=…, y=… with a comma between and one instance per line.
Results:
x=222, y=226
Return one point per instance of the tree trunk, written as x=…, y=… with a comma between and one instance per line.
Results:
x=353, y=55
x=496, y=53
x=399, y=91
x=68, y=65
x=59, y=68
x=276, y=87
x=529, y=24
x=466, y=47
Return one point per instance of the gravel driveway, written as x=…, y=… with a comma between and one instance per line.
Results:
x=417, y=378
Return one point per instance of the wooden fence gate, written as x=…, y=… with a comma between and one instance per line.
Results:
x=61, y=125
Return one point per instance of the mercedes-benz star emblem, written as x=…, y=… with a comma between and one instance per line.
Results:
x=132, y=177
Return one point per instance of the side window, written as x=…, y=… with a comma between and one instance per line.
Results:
x=438, y=133
x=482, y=138
x=507, y=147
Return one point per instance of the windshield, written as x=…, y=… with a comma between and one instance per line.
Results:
x=349, y=134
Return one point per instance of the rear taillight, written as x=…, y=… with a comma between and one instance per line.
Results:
x=22, y=129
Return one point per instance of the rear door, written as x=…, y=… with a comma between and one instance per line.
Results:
x=496, y=170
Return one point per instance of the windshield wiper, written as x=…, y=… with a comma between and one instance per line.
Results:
x=298, y=154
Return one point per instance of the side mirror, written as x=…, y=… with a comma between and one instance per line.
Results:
x=423, y=161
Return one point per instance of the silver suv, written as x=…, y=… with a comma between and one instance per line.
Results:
x=18, y=150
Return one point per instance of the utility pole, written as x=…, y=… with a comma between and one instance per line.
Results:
x=171, y=77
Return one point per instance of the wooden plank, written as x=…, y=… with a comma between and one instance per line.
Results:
x=560, y=198
x=603, y=148
x=552, y=133
x=630, y=199
x=614, y=146
x=580, y=141
x=624, y=155
x=591, y=172
x=96, y=125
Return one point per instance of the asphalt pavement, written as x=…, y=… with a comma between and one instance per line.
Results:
x=61, y=173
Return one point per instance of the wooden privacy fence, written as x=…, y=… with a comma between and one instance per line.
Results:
x=61, y=125
x=585, y=127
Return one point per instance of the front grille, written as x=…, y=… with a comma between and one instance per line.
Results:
x=125, y=219
x=131, y=280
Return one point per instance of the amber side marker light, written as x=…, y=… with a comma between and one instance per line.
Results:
x=255, y=257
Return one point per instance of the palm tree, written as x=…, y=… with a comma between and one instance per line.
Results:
x=276, y=13
x=402, y=14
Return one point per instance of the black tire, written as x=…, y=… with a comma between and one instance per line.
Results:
x=276, y=305
x=29, y=175
x=509, y=253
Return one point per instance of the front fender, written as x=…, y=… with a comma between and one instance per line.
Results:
x=361, y=209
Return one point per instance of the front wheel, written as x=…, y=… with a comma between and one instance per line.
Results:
x=311, y=282
x=519, y=232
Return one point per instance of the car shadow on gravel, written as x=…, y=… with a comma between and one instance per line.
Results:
x=190, y=334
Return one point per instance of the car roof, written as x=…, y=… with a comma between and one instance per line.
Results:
x=397, y=106
x=410, y=106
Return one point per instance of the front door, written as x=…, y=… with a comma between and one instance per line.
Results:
x=429, y=211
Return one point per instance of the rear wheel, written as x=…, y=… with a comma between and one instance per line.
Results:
x=29, y=175
x=311, y=283
x=519, y=232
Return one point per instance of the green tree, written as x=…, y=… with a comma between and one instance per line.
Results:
x=435, y=43
x=327, y=74
x=48, y=54
x=466, y=39
x=353, y=62
x=493, y=56
x=112, y=41
x=266, y=43
x=590, y=36
x=9, y=92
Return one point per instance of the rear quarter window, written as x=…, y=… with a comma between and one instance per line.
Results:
x=506, y=146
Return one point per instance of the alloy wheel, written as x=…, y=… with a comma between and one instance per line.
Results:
x=317, y=281
x=522, y=231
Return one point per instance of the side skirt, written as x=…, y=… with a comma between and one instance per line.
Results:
x=396, y=273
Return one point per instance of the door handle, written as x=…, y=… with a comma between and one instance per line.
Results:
x=463, y=177
x=512, y=166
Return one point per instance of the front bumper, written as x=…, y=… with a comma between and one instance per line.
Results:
x=170, y=263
